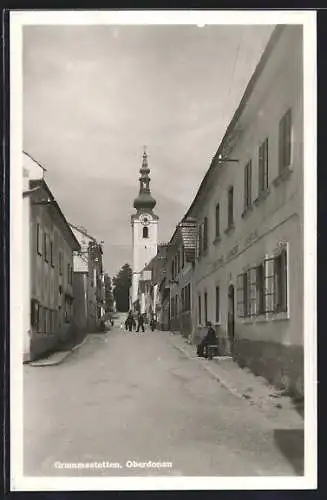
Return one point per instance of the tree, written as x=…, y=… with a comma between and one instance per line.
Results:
x=122, y=283
x=109, y=297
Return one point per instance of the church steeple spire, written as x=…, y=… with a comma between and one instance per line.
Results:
x=144, y=201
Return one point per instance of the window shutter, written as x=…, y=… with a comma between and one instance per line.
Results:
x=265, y=165
x=261, y=168
x=198, y=243
x=252, y=295
x=288, y=129
x=269, y=288
x=240, y=296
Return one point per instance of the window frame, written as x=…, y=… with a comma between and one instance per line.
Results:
x=217, y=220
x=230, y=207
x=285, y=141
x=217, y=304
x=45, y=247
x=205, y=300
x=263, y=166
x=205, y=234
x=39, y=240
x=248, y=185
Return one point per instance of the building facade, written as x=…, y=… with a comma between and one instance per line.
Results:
x=49, y=269
x=88, y=282
x=248, y=276
x=180, y=264
x=149, y=298
x=144, y=229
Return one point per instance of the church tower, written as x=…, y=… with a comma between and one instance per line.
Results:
x=144, y=227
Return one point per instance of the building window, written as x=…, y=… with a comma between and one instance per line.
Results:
x=200, y=242
x=40, y=319
x=60, y=263
x=38, y=239
x=247, y=185
x=280, y=282
x=205, y=308
x=172, y=308
x=68, y=310
x=205, y=234
x=230, y=207
x=71, y=275
x=45, y=247
x=263, y=289
x=145, y=232
x=173, y=270
x=51, y=253
x=35, y=314
x=183, y=258
x=217, y=304
x=263, y=166
x=217, y=220
x=199, y=310
x=68, y=273
x=285, y=143
x=186, y=298
x=260, y=288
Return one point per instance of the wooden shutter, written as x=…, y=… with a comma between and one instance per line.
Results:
x=269, y=285
x=281, y=145
x=205, y=234
x=200, y=240
x=288, y=138
x=265, y=164
x=217, y=220
x=240, y=296
x=197, y=246
x=252, y=291
x=261, y=168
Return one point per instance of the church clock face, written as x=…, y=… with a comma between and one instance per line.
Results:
x=145, y=219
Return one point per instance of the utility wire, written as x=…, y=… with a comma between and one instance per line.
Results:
x=233, y=74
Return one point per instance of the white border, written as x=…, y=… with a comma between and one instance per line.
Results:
x=17, y=20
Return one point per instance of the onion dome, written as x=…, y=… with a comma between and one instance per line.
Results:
x=144, y=199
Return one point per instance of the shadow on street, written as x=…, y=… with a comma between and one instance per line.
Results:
x=291, y=444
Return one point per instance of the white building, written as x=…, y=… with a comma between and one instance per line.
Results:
x=144, y=228
x=248, y=276
x=31, y=171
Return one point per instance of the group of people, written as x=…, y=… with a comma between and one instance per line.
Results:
x=130, y=323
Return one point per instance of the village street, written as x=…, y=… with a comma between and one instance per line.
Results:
x=127, y=397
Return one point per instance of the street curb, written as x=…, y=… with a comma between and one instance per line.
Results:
x=223, y=382
x=65, y=355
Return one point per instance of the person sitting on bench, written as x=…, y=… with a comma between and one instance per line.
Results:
x=209, y=340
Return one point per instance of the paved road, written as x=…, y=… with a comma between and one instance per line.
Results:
x=127, y=397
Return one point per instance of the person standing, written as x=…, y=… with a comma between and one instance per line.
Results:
x=140, y=322
x=129, y=322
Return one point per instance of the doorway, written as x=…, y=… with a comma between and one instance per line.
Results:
x=231, y=318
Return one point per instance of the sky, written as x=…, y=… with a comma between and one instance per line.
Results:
x=93, y=96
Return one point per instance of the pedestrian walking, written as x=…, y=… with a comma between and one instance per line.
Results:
x=153, y=322
x=140, y=322
x=129, y=322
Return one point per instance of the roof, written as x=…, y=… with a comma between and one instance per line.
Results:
x=31, y=157
x=42, y=184
x=186, y=229
x=246, y=96
x=83, y=231
x=189, y=234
